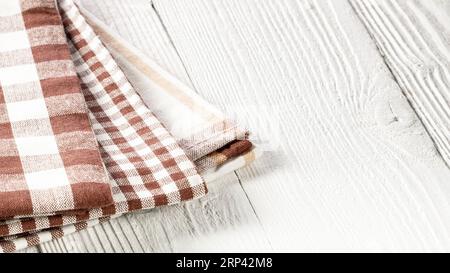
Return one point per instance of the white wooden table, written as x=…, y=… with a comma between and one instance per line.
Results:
x=354, y=97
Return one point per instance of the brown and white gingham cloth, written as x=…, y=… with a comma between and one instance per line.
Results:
x=49, y=157
x=209, y=136
x=146, y=166
x=216, y=144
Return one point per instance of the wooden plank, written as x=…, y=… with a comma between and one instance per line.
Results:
x=414, y=37
x=137, y=22
x=354, y=168
x=207, y=224
x=211, y=223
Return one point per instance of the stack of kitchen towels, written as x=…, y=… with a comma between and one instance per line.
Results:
x=91, y=129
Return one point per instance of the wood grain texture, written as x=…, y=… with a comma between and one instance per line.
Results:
x=356, y=170
x=352, y=166
x=186, y=227
x=414, y=37
x=224, y=215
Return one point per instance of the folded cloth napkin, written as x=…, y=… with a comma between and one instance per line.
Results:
x=216, y=145
x=145, y=165
x=49, y=157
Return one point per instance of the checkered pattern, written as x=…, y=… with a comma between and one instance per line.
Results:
x=146, y=165
x=45, y=135
x=208, y=137
x=213, y=135
x=32, y=238
x=224, y=154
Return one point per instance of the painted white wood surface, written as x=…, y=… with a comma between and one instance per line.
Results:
x=225, y=213
x=352, y=169
x=414, y=37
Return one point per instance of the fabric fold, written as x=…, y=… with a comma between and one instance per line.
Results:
x=49, y=157
x=158, y=140
x=203, y=131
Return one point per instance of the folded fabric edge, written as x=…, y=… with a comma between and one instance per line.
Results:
x=41, y=174
x=22, y=241
x=218, y=130
x=215, y=171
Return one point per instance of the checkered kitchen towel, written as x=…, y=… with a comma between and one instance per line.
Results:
x=145, y=165
x=49, y=157
x=216, y=144
x=225, y=150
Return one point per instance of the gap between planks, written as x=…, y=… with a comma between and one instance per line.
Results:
x=413, y=38
x=195, y=89
x=99, y=239
x=357, y=154
x=356, y=171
